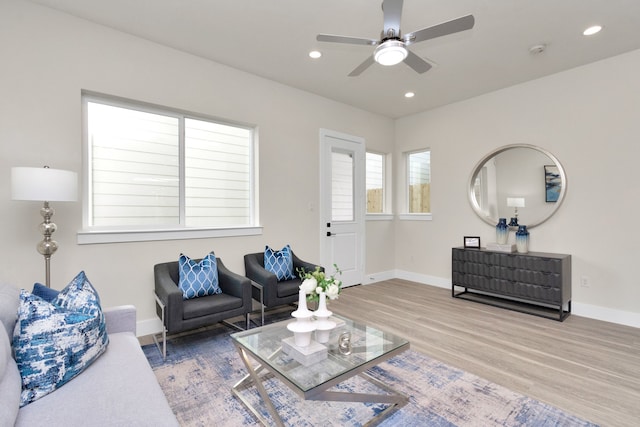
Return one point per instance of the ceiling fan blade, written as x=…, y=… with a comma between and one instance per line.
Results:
x=418, y=64
x=360, y=68
x=346, y=39
x=439, y=30
x=392, y=10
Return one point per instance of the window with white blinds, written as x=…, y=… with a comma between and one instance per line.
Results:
x=155, y=169
x=419, y=180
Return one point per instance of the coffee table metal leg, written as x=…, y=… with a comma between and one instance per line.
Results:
x=253, y=374
x=395, y=399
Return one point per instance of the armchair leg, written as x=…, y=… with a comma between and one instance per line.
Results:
x=261, y=290
x=162, y=350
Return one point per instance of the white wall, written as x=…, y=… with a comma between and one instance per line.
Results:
x=589, y=118
x=48, y=58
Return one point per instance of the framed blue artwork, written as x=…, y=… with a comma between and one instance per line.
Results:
x=552, y=183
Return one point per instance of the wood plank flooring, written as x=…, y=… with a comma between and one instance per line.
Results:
x=586, y=367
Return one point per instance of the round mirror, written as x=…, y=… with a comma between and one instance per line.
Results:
x=517, y=181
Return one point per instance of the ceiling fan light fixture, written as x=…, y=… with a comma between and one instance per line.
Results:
x=390, y=52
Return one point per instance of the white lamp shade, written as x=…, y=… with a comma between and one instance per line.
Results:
x=44, y=184
x=515, y=202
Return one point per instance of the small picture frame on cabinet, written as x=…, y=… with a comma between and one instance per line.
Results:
x=472, y=242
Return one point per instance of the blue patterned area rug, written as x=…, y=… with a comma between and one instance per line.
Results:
x=202, y=367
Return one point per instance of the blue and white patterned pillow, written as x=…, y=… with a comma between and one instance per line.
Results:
x=279, y=263
x=198, y=279
x=54, y=342
x=44, y=292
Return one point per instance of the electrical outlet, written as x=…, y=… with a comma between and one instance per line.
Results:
x=585, y=282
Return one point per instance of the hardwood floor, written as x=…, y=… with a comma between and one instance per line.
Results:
x=586, y=367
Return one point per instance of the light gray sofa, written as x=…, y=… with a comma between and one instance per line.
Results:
x=118, y=389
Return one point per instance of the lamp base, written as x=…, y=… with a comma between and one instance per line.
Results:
x=47, y=246
x=501, y=248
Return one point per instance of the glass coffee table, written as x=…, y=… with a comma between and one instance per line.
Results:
x=367, y=347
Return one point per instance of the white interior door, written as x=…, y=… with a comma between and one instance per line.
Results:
x=342, y=205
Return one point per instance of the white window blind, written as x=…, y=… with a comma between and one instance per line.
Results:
x=217, y=174
x=161, y=169
x=342, y=203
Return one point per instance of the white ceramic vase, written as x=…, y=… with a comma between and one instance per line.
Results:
x=304, y=324
x=324, y=326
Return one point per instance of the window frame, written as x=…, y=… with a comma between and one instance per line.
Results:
x=387, y=211
x=100, y=234
x=413, y=216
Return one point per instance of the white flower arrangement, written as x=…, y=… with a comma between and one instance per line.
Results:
x=316, y=281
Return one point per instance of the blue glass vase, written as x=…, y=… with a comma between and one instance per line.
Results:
x=522, y=239
x=502, y=231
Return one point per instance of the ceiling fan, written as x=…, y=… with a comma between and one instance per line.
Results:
x=392, y=47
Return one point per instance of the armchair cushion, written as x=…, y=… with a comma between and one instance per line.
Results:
x=279, y=263
x=198, y=307
x=198, y=279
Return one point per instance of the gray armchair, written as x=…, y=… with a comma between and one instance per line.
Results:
x=270, y=292
x=180, y=315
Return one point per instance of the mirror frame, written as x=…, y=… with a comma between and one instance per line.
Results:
x=478, y=167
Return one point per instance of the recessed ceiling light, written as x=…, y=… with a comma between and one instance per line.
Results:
x=315, y=54
x=409, y=95
x=592, y=30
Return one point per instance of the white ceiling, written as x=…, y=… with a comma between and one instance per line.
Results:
x=272, y=39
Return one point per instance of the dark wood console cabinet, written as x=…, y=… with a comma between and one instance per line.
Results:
x=535, y=283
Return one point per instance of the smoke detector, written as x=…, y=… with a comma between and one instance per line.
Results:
x=537, y=49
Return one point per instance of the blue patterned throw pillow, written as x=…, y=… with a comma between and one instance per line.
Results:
x=44, y=292
x=279, y=263
x=55, y=341
x=198, y=279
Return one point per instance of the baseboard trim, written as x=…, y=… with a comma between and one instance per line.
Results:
x=425, y=279
x=620, y=317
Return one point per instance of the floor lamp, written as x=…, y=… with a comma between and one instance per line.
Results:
x=45, y=185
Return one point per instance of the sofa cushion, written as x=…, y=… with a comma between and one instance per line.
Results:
x=10, y=385
x=279, y=262
x=118, y=389
x=198, y=279
x=54, y=342
x=9, y=302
